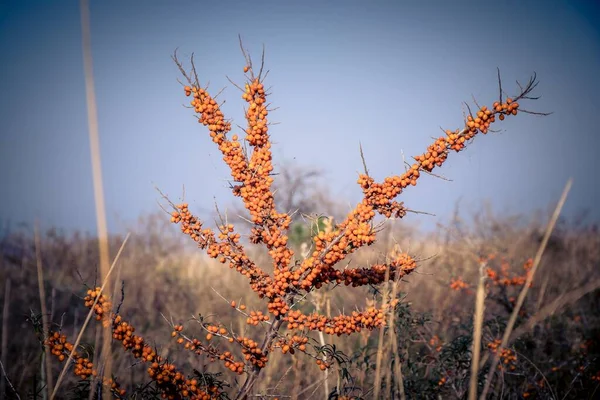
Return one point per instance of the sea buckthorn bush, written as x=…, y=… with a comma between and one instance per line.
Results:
x=211, y=358
x=250, y=162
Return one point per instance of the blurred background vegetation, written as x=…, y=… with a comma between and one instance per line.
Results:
x=162, y=273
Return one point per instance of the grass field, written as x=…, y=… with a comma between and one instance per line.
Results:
x=428, y=352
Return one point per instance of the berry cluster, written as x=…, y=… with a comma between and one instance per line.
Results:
x=171, y=382
x=228, y=249
x=196, y=346
x=504, y=278
x=295, y=342
x=252, y=352
x=252, y=174
x=323, y=365
x=256, y=191
x=101, y=307
x=378, y=197
x=256, y=317
x=458, y=284
x=371, y=318
x=83, y=367
x=436, y=343
x=507, y=356
x=501, y=276
x=401, y=266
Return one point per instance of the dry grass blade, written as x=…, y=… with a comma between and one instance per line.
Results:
x=96, y=167
x=551, y=308
x=42, y=291
x=379, y=359
x=398, y=368
x=542, y=293
x=4, y=348
x=477, y=331
x=320, y=300
x=87, y=319
x=392, y=345
x=521, y=299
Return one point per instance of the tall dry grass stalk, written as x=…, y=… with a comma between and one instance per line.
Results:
x=97, y=173
x=391, y=345
x=98, y=329
x=47, y=376
x=540, y=299
x=320, y=300
x=392, y=348
x=4, y=346
x=477, y=331
x=521, y=299
x=380, y=343
x=381, y=339
x=87, y=320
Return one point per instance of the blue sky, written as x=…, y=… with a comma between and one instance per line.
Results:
x=387, y=74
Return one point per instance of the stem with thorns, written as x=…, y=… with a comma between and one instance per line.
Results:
x=252, y=377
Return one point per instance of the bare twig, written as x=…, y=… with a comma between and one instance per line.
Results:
x=262, y=64
x=237, y=86
x=180, y=66
x=543, y=114
x=436, y=175
x=362, y=157
x=420, y=212
x=500, y=85
x=8, y=381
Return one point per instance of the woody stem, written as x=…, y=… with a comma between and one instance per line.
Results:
x=266, y=345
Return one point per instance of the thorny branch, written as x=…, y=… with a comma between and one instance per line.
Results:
x=354, y=232
x=250, y=162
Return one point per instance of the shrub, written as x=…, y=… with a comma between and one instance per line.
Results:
x=289, y=325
